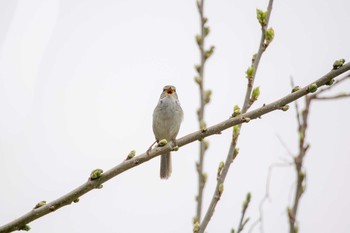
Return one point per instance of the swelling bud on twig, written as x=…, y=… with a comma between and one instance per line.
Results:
x=206, y=31
x=209, y=52
x=255, y=94
x=25, y=228
x=40, y=204
x=221, y=166
x=175, y=148
x=338, y=63
x=196, y=227
x=197, y=68
x=296, y=88
x=235, y=153
x=285, y=107
x=95, y=174
x=76, y=200
x=330, y=82
x=221, y=188
x=269, y=35
x=198, y=80
x=235, y=131
x=203, y=126
x=236, y=111
x=162, y=142
x=204, y=177
x=207, y=96
x=250, y=72
x=312, y=88
x=262, y=17
x=199, y=39
x=131, y=155
x=206, y=144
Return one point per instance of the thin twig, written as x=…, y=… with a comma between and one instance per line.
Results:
x=266, y=197
x=91, y=184
x=232, y=153
x=243, y=221
x=204, y=98
x=303, y=148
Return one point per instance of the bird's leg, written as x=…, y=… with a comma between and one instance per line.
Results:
x=150, y=148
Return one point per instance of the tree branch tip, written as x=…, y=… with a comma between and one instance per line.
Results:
x=95, y=174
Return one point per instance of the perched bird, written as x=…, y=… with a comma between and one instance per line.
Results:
x=167, y=118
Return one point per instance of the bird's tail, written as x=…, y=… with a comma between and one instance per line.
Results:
x=165, y=166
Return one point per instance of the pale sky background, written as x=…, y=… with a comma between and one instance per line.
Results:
x=78, y=84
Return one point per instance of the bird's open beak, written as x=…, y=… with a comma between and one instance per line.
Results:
x=169, y=91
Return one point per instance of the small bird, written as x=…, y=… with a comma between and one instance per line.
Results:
x=167, y=118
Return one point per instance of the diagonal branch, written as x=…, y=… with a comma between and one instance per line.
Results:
x=91, y=184
x=263, y=18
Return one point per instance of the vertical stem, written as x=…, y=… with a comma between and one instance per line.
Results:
x=201, y=183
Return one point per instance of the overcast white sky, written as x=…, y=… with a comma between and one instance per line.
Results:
x=79, y=81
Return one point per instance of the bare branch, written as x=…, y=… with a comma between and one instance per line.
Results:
x=339, y=96
x=91, y=184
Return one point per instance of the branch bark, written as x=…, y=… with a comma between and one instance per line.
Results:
x=90, y=184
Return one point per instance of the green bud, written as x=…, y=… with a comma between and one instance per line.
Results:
x=175, y=148
x=95, y=174
x=301, y=136
x=236, y=111
x=232, y=230
x=285, y=107
x=199, y=39
x=198, y=80
x=221, y=166
x=196, y=227
x=197, y=68
x=131, y=155
x=236, y=130
x=76, y=200
x=301, y=176
x=204, y=177
x=206, y=31
x=207, y=96
x=206, y=144
x=312, y=88
x=250, y=72
x=330, y=82
x=255, y=94
x=338, y=63
x=25, y=228
x=246, y=119
x=262, y=17
x=296, y=88
x=162, y=142
x=221, y=188
x=203, y=126
x=269, y=35
x=248, y=197
x=40, y=204
x=209, y=52
x=253, y=58
x=235, y=153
